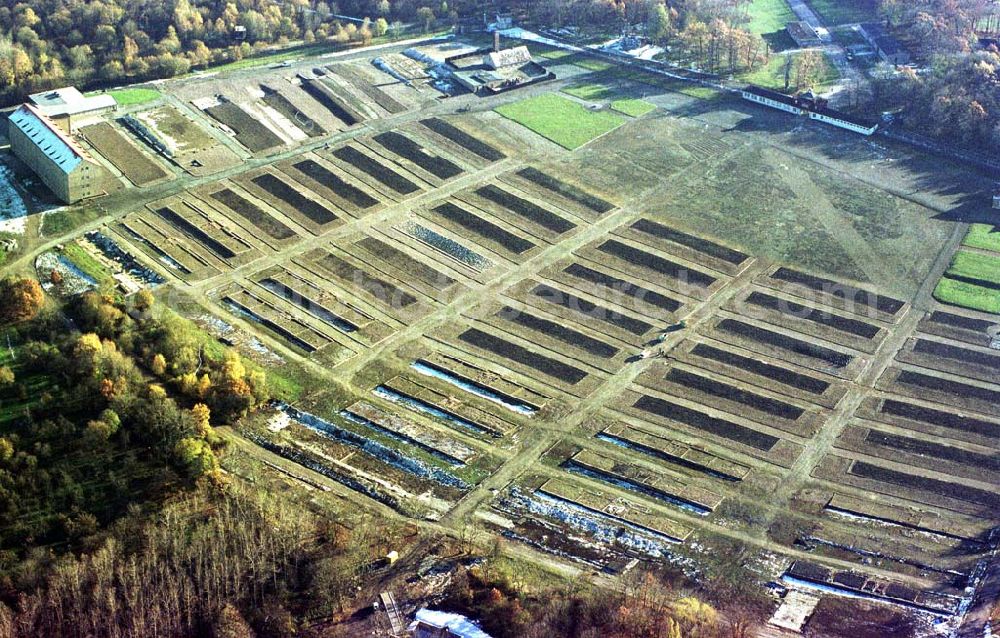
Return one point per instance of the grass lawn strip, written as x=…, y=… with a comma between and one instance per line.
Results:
x=130, y=97
x=966, y=295
x=565, y=122
x=984, y=236
x=86, y=262
x=970, y=265
x=768, y=16
x=633, y=107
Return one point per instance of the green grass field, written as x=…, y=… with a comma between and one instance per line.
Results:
x=128, y=97
x=592, y=91
x=972, y=265
x=768, y=16
x=966, y=295
x=633, y=107
x=835, y=12
x=983, y=236
x=567, y=123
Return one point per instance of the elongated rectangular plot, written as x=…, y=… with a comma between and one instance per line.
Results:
x=938, y=420
x=492, y=381
x=512, y=205
x=139, y=168
x=615, y=507
x=793, y=349
x=762, y=372
x=180, y=259
x=219, y=241
x=952, y=490
x=405, y=264
x=323, y=180
x=810, y=319
x=977, y=329
x=292, y=199
x=413, y=152
x=489, y=234
x=304, y=285
x=558, y=331
x=453, y=249
x=376, y=286
x=645, y=266
x=948, y=357
x=952, y=526
x=701, y=421
x=731, y=398
x=550, y=335
x=663, y=486
x=310, y=306
x=280, y=103
x=873, y=587
x=838, y=294
x=328, y=99
x=412, y=431
x=550, y=186
x=250, y=132
x=245, y=210
x=483, y=421
x=507, y=350
x=568, y=305
x=952, y=496
x=643, y=299
x=257, y=310
x=702, y=427
x=934, y=387
x=976, y=464
x=655, y=444
x=379, y=171
x=695, y=249
x=463, y=139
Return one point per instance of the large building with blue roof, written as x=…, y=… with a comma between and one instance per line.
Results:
x=58, y=160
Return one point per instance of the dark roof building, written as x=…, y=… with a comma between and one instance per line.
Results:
x=803, y=34
x=885, y=44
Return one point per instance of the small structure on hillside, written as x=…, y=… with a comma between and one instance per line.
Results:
x=491, y=71
x=813, y=107
x=441, y=624
x=885, y=44
x=996, y=200
x=58, y=160
x=70, y=109
x=803, y=34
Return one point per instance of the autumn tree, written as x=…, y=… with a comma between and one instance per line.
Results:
x=6, y=377
x=20, y=299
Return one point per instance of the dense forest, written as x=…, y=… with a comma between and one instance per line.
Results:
x=956, y=93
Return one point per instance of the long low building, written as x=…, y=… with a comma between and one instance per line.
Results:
x=58, y=160
x=812, y=107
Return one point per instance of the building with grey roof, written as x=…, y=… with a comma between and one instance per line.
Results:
x=62, y=164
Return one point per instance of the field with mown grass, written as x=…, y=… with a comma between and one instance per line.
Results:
x=562, y=120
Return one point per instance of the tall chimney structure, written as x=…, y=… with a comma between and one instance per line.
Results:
x=496, y=41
